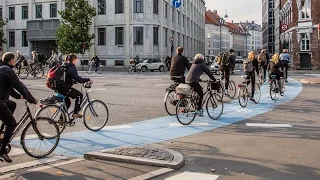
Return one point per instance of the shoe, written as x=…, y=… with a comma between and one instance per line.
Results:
x=286, y=81
x=6, y=158
x=77, y=116
x=199, y=113
x=252, y=99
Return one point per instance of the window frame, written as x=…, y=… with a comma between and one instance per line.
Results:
x=156, y=7
x=305, y=42
x=12, y=16
x=117, y=7
x=135, y=6
x=23, y=15
x=53, y=14
x=101, y=42
x=156, y=36
x=38, y=11
x=305, y=10
x=116, y=42
x=137, y=29
x=99, y=4
x=24, y=41
x=166, y=10
x=12, y=43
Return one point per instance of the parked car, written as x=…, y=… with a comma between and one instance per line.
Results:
x=239, y=59
x=214, y=68
x=152, y=64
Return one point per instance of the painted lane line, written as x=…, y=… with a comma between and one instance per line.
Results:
x=98, y=89
x=117, y=127
x=191, y=125
x=31, y=136
x=153, y=174
x=16, y=151
x=268, y=125
x=162, y=85
x=40, y=85
x=192, y=175
x=41, y=168
x=31, y=163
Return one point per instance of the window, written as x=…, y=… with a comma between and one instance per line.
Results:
x=0, y=12
x=166, y=10
x=101, y=7
x=119, y=36
x=178, y=18
x=138, y=6
x=12, y=39
x=138, y=35
x=38, y=10
x=24, y=39
x=101, y=36
x=305, y=11
x=53, y=10
x=183, y=21
x=155, y=6
x=24, y=12
x=119, y=6
x=155, y=36
x=172, y=15
x=11, y=13
x=166, y=37
x=305, y=42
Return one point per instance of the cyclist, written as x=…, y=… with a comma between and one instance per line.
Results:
x=285, y=60
x=274, y=68
x=178, y=65
x=193, y=77
x=263, y=63
x=10, y=84
x=250, y=66
x=224, y=62
x=54, y=59
x=168, y=62
x=232, y=61
x=96, y=61
x=20, y=60
x=34, y=62
x=66, y=88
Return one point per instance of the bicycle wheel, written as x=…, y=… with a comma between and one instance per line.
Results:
x=95, y=115
x=170, y=102
x=214, y=106
x=130, y=69
x=23, y=73
x=39, y=72
x=185, y=111
x=283, y=87
x=39, y=135
x=99, y=69
x=257, y=93
x=273, y=86
x=242, y=96
x=232, y=90
x=89, y=71
x=45, y=71
x=221, y=90
x=53, y=112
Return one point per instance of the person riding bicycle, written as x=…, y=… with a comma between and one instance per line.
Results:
x=263, y=63
x=34, y=62
x=10, y=84
x=66, y=88
x=285, y=60
x=167, y=62
x=96, y=61
x=274, y=68
x=224, y=61
x=53, y=59
x=178, y=65
x=250, y=66
x=20, y=60
x=193, y=78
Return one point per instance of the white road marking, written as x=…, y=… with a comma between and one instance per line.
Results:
x=268, y=125
x=152, y=174
x=98, y=89
x=192, y=175
x=117, y=127
x=31, y=136
x=16, y=151
x=31, y=163
x=163, y=84
x=40, y=85
x=192, y=124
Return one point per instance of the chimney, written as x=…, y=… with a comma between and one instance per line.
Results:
x=252, y=22
x=215, y=11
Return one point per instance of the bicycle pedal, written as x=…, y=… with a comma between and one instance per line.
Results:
x=72, y=123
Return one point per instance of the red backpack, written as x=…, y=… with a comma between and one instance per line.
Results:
x=56, y=77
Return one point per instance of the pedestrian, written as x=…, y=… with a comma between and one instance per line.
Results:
x=285, y=60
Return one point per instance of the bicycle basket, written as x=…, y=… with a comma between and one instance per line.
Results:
x=184, y=89
x=215, y=85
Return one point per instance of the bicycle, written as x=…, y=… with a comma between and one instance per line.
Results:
x=134, y=68
x=58, y=111
x=171, y=99
x=275, y=87
x=244, y=92
x=232, y=90
x=98, y=69
x=24, y=71
x=186, y=106
x=33, y=131
x=261, y=75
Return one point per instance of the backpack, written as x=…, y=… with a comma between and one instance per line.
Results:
x=225, y=60
x=247, y=66
x=56, y=77
x=262, y=57
x=219, y=59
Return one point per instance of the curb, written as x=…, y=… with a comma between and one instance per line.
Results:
x=306, y=81
x=176, y=163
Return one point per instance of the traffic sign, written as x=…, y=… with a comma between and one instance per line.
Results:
x=176, y=3
x=171, y=39
x=284, y=27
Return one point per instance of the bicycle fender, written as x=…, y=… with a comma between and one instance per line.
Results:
x=165, y=97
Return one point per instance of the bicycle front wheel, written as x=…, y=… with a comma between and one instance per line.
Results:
x=89, y=71
x=186, y=111
x=232, y=90
x=273, y=93
x=99, y=69
x=257, y=93
x=95, y=115
x=130, y=69
x=171, y=100
x=214, y=106
x=23, y=73
x=40, y=138
x=243, y=96
x=39, y=73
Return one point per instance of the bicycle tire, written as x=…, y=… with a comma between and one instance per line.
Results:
x=85, y=120
x=31, y=151
x=242, y=95
x=257, y=93
x=130, y=69
x=61, y=123
x=173, y=101
x=215, y=99
x=89, y=71
x=273, y=94
x=232, y=90
x=22, y=70
x=99, y=69
x=190, y=110
x=39, y=73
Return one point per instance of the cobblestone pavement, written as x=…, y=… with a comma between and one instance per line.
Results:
x=144, y=152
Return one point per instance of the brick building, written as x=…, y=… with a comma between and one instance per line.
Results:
x=301, y=37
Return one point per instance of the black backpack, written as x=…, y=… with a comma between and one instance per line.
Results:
x=56, y=77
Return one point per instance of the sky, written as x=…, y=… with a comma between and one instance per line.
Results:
x=238, y=10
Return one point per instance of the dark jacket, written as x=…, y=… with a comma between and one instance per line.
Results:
x=96, y=60
x=196, y=70
x=255, y=64
x=178, y=65
x=232, y=60
x=72, y=75
x=10, y=84
x=275, y=68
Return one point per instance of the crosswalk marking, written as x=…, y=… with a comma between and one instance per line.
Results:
x=31, y=136
x=192, y=124
x=268, y=125
x=192, y=175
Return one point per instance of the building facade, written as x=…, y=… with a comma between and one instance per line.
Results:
x=277, y=26
x=301, y=37
x=268, y=28
x=123, y=29
x=254, y=35
x=238, y=40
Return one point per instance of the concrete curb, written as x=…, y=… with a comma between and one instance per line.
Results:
x=310, y=81
x=176, y=163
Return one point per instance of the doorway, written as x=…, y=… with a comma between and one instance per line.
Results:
x=305, y=61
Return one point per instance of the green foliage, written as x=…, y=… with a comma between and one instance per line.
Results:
x=73, y=32
x=2, y=23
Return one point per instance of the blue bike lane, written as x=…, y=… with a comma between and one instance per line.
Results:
x=76, y=144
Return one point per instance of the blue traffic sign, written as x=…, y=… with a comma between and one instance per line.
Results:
x=176, y=3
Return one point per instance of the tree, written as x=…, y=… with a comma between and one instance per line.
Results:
x=2, y=38
x=73, y=32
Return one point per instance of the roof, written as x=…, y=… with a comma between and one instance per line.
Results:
x=210, y=19
x=234, y=28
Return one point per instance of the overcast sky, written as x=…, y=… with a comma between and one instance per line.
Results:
x=238, y=10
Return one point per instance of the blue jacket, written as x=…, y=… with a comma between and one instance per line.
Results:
x=285, y=57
